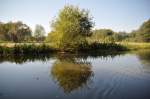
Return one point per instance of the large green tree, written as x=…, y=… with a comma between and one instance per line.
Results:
x=70, y=27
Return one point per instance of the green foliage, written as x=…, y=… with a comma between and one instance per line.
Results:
x=95, y=46
x=70, y=27
x=5, y=50
x=26, y=49
x=142, y=34
x=102, y=35
x=14, y=31
x=71, y=31
x=144, y=31
x=120, y=36
x=107, y=36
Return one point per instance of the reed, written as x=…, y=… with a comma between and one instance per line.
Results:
x=26, y=49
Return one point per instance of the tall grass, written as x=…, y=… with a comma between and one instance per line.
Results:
x=102, y=47
x=46, y=48
x=26, y=49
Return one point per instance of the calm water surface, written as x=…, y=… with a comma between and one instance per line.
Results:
x=114, y=76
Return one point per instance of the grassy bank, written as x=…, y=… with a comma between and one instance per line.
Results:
x=44, y=48
x=135, y=46
x=26, y=49
x=40, y=48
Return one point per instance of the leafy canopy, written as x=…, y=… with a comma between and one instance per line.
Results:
x=142, y=34
x=70, y=27
x=14, y=31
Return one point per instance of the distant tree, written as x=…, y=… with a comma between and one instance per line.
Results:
x=23, y=32
x=120, y=36
x=39, y=33
x=71, y=27
x=14, y=31
x=103, y=35
x=132, y=37
x=142, y=34
x=2, y=36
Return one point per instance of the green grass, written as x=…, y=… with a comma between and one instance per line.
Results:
x=25, y=49
x=135, y=46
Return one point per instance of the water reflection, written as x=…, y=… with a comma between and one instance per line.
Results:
x=71, y=73
x=69, y=76
x=21, y=59
x=144, y=56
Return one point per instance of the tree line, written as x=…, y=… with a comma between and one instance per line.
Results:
x=106, y=35
x=72, y=26
x=20, y=32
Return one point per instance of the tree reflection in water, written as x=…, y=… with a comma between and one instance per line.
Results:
x=71, y=73
x=144, y=56
x=21, y=59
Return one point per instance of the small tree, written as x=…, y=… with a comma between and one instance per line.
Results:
x=71, y=27
x=39, y=33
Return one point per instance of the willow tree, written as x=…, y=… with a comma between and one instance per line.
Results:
x=71, y=27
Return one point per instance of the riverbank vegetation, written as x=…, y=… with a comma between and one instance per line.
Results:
x=71, y=31
x=44, y=48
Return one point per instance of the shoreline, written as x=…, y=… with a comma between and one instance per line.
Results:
x=46, y=48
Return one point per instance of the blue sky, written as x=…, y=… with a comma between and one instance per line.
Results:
x=118, y=15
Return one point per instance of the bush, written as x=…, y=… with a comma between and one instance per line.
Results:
x=101, y=47
x=26, y=49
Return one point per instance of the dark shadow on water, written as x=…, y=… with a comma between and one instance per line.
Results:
x=20, y=59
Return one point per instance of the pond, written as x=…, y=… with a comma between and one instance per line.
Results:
x=68, y=76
